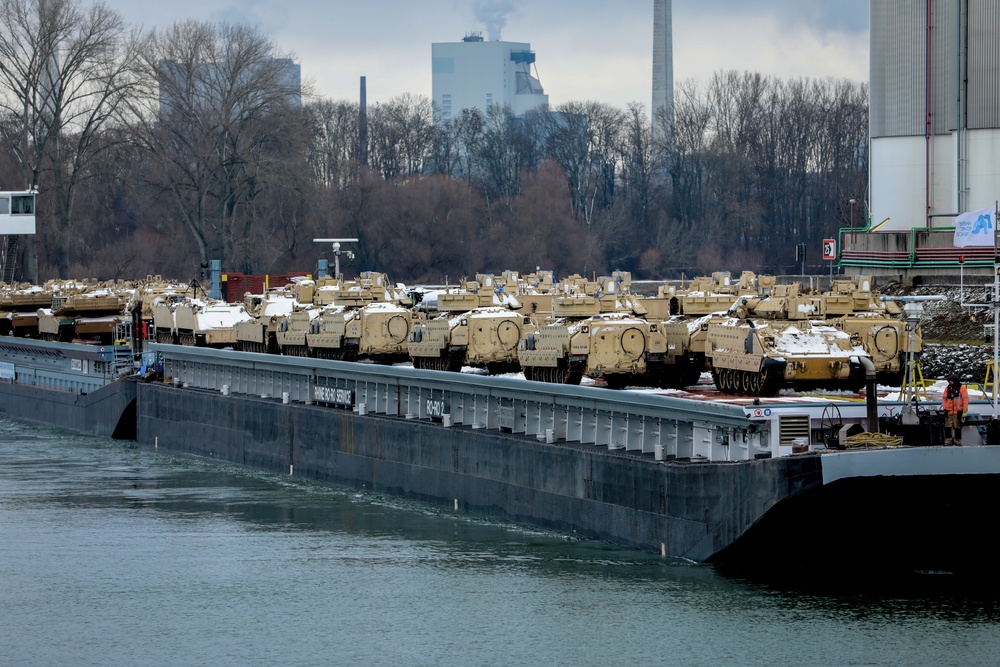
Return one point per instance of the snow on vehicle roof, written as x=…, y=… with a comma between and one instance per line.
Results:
x=221, y=316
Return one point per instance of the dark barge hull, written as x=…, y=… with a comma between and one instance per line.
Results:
x=107, y=411
x=689, y=510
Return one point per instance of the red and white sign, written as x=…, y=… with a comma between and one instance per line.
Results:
x=829, y=248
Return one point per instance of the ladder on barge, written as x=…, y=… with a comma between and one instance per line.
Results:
x=8, y=258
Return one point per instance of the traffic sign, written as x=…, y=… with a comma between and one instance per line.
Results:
x=829, y=248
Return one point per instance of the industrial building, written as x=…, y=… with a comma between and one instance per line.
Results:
x=478, y=74
x=935, y=131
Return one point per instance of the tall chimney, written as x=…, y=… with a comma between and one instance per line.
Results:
x=363, y=126
x=663, y=68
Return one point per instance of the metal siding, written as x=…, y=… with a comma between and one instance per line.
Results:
x=984, y=64
x=897, y=68
x=943, y=64
x=899, y=64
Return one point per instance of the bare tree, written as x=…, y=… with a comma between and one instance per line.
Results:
x=64, y=73
x=334, y=143
x=212, y=115
x=401, y=135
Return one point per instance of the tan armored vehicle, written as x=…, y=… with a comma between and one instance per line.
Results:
x=853, y=307
x=712, y=294
x=292, y=329
x=154, y=290
x=758, y=357
x=780, y=340
x=673, y=360
x=208, y=323
x=95, y=313
x=19, y=306
x=377, y=331
x=885, y=339
x=600, y=335
x=367, y=318
x=259, y=333
x=477, y=326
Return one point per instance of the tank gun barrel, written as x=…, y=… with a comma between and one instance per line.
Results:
x=913, y=298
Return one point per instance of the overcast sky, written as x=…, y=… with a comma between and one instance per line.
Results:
x=586, y=49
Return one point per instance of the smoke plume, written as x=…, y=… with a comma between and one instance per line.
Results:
x=493, y=15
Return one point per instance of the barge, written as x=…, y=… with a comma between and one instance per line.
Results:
x=750, y=482
x=74, y=386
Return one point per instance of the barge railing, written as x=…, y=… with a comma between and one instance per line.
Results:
x=633, y=422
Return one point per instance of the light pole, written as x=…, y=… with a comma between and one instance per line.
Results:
x=852, y=202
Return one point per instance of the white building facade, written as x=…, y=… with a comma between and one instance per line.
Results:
x=935, y=111
x=477, y=74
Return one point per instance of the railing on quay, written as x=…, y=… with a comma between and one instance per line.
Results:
x=666, y=427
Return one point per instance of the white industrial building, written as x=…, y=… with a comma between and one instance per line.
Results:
x=935, y=110
x=477, y=74
x=935, y=137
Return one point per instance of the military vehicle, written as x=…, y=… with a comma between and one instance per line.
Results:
x=209, y=323
x=853, y=307
x=477, y=325
x=154, y=290
x=595, y=330
x=778, y=340
x=672, y=360
x=259, y=333
x=712, y=294
x=368, y=317
x=19, y=304
x=92, y=313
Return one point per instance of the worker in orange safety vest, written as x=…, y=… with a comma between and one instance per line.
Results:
x=955, y=404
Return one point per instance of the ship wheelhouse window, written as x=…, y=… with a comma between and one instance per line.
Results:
x=4, y=205
x=23, y=204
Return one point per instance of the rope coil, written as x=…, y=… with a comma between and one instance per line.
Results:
x=880, y=440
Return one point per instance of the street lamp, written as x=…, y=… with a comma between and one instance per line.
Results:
x=852, y=202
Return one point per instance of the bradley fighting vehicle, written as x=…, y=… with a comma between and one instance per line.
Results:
x=594, y=330
x=851, y=306
x=775, y=341
x=478, y=326
x=679, y=320
x=365, y=318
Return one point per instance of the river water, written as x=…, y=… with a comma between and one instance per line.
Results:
x=115, y=555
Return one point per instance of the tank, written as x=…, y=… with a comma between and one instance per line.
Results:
x=476, y=325
x=19, y=305
x=93, y=313
x=599, y=334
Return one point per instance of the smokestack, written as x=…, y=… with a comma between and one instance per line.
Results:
x=663, y=69
x=363, y=126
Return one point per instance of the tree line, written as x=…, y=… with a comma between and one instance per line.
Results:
x=156, y=151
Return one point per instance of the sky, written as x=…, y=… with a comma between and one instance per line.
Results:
x=585, y=49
